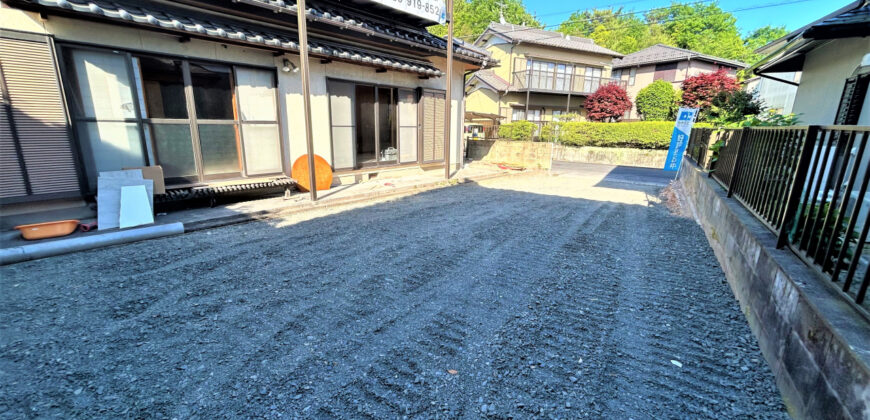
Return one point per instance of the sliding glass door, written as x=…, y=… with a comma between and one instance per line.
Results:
x=371, y=125
x=104, y=111
x=200, y=121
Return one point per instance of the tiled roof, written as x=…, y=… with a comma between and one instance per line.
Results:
x=202, y=25
x=519, y=33
x=348, y=19
x=490, y=78
x=661, y=53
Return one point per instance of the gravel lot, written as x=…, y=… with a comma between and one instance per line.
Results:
x=562, y=297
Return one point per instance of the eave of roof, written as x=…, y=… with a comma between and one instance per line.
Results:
x=787, y=53
x=231, y=31
x=568, y=44
x=678, y=54
x=349, y=20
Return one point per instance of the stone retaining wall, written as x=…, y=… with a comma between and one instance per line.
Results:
x=816, y=342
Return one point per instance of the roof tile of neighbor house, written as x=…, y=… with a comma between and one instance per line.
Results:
x=519, y=33
x=208, y=26
x=489, y=77
x=661, y=53
x=348, y=19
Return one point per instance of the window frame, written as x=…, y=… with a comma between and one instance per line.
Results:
x=144, y=124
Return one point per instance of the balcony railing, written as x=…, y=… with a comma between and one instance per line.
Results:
x=550, y=81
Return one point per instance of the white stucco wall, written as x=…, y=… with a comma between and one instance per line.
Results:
x=291, y=117
x=825, y=71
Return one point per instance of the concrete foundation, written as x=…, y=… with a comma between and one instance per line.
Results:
x=816, y=342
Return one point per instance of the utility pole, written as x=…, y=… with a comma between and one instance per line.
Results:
x=447, y=113
x=306, y=93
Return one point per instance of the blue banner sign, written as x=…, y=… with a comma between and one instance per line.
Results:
x=680, y=137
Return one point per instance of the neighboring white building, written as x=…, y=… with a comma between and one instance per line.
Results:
x=777, y=96
x=831, y=53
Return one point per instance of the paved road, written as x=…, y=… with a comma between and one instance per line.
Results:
x=614, y=173
x=565, y=296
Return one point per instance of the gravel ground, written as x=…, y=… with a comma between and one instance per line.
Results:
x=560, y=297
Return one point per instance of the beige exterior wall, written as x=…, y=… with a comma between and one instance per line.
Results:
x=646, y=75
x=824, y=75
x=483, y=100
x=290, y=105
x=513, y=58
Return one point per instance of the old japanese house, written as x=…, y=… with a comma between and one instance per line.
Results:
x=209, y=90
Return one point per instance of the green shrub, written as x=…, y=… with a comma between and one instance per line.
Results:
x=638, y=135
x=657, y=101
x=517, y=130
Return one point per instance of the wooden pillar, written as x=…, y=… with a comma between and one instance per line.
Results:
x=306, y=93
x=447, y=113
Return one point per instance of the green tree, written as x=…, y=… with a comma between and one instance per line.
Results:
x=761, y=37
x=657, y=101
x=701, y=27
x=471, y=17
x=618, y=30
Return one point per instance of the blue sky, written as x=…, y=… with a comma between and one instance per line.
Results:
x=792, y=16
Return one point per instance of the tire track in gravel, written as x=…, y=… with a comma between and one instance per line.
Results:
x=508, y=287
x=428, y=316
x=444, y=342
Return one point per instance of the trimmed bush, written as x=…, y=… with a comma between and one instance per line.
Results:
x=517, y=130
x=657, y=101
x=637, y=135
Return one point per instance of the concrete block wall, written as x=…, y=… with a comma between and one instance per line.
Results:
x=816, y=342
x=530, y=155
x=646, y=158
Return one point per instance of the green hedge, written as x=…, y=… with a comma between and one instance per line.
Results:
x=517, y=130
x=638, y=135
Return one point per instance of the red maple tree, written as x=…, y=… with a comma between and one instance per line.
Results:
x=609, y=103
x=699, y=91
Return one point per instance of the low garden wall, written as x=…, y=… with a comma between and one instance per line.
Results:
x=527, y=154
x=647, y=158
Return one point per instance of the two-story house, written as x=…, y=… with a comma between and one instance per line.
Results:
x=541, y=75
x=663, y=62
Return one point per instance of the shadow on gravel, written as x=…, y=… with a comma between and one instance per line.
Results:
x=455, y=302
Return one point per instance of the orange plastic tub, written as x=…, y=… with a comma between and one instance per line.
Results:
x=48, y=229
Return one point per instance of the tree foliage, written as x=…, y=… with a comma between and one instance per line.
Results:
x=471, y=17
x=702, y=27
x=608, y=103
x=761, y=37
x=700, y=91
x=657, y=101
x=616, y=29
x=735, y=106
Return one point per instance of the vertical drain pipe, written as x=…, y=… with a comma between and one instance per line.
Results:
x=447, y=113
x=301, y=17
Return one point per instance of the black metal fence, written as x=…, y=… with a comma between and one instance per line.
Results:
x=806, y=184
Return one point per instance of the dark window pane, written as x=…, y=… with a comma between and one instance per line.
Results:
x=387, y=125
x=212, y=91
x=163, y=88
x=220, y=151
x=174, y=150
